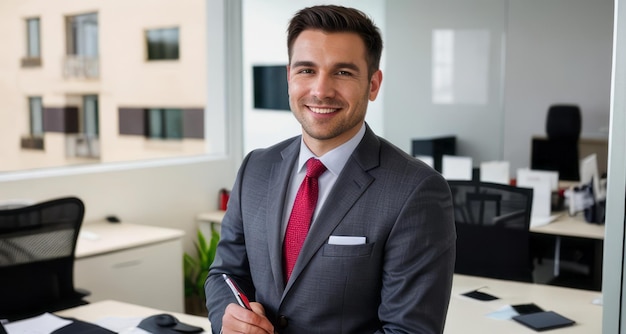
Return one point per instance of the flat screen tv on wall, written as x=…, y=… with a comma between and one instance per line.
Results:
x=270, y=87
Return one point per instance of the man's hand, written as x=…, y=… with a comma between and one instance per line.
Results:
x=237, y=319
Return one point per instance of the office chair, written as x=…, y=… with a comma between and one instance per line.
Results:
x=37, y=245
x=492, y=224
x=559, y=151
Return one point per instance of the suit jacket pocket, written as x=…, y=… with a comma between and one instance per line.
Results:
x=348, y=250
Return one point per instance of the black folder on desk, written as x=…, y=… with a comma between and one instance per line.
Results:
x=542, y=321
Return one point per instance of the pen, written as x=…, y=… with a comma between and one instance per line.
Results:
x=241, y=298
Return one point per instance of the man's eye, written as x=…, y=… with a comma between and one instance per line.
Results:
x=344, y=73
x=306, y=71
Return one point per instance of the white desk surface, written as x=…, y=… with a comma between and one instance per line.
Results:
x=212, y=216
x=108, y=308
x=466, y=315
x=104, y=237
x=576, y=226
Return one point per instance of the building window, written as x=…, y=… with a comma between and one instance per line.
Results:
x=82, y=33
x=35, y=116
x=32, y=28
x=164, y=124
x=90, y=126
x=34, y=139
x=162, y=44
x=82, y=46
x=33, y=43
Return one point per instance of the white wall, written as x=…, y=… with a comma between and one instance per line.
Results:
x=559, y=51
x=555, y=51
x=409, y=110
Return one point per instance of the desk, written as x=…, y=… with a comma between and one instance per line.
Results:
x=133, y=263
x=109, y=308
x=466, y=315
x=575, y=227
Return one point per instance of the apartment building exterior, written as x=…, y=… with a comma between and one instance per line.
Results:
x=101, y=81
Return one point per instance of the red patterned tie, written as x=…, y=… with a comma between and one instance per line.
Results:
x=301, y=215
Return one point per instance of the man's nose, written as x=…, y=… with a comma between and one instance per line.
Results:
x=323, y=87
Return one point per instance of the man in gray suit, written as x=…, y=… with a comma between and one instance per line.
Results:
x=379, y=253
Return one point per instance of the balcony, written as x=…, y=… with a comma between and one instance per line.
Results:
x=82, y=146
x=81, y=67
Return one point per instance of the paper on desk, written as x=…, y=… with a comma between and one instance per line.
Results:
x=540, y=221
x=42, y=324
x=506, y=312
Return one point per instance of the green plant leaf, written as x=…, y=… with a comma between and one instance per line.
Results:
x=195, y=269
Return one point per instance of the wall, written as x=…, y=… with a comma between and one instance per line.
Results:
x=552, y=51
x=558, y=51
x=409, y=108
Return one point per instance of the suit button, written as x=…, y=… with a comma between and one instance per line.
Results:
x=282, y=322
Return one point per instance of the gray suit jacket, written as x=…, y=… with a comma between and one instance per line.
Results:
x=399, y=281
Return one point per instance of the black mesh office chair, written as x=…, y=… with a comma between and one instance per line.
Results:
x=492, y=223
x=37, y=245
x=559, y=151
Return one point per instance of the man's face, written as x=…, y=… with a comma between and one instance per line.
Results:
x=329, y=87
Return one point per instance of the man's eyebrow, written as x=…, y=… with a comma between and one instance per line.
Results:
x=346, y=65
x=303, y=63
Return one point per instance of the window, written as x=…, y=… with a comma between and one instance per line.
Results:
x=34, y=139
x=82, y=47
x=164, y=124
x=162, y=44
x=33, y=49
x=33, y=43
x=35, y=116
x=82, y=33
x=90, y=116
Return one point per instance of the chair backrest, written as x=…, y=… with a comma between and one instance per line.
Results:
x=564, y=122
x=559, y=151
x=37, y=245
x=492, y=222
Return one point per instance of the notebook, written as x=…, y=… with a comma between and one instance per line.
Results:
x=542, y=321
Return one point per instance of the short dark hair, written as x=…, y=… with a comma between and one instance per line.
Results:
x=331, y=18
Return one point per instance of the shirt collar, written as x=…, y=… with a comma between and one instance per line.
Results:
x=335, y=159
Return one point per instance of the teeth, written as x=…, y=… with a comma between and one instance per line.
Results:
x=322, y=110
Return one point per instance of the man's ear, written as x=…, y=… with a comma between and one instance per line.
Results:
x=375, y=81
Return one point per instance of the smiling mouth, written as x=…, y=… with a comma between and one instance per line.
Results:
x=318, y=110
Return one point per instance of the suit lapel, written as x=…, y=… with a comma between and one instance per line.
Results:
x=351, y=184
x=276, y=194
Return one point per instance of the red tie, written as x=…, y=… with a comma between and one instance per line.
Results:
x=301, y=214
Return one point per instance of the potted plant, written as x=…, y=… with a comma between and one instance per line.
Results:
x=196, y=270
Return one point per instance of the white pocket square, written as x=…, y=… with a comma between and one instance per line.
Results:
x=345, y=240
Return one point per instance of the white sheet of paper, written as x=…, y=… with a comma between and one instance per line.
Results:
x=542, y=184
x=41, y=324
x=495, y=171
x=454, y=167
